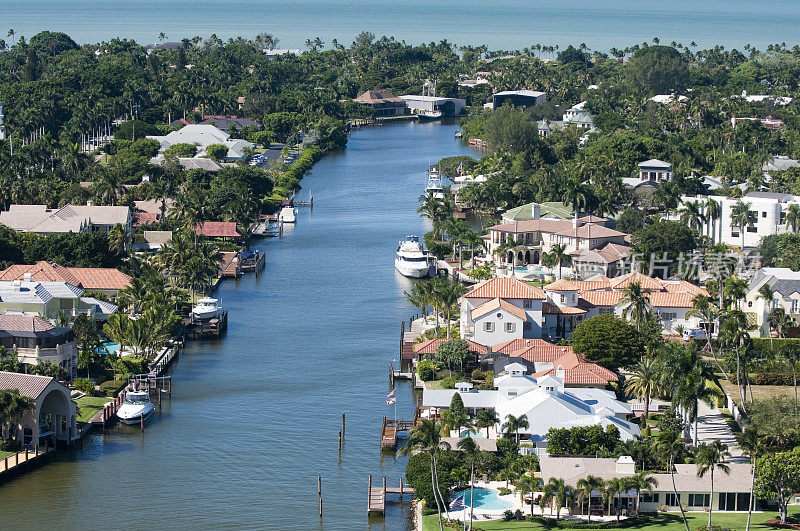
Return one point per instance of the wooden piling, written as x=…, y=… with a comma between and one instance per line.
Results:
x=401, y=489
x=340, y=440
x=319, y=494
x=369, y=493
x=342, y=425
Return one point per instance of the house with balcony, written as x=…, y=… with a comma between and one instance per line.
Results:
x=651, y=173
x=785, y=285
x=35, y=340
x=47, y=299
x=501, y=309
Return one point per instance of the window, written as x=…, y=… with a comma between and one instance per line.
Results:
x=763, y=214
x=512, y=392
x=752, y=228
x=668, y=316
x=749, y=304
x=651, y=498
x=775, y=303
x=488, y=327
x=672, y=500
x=698, y=500
x=727, y=501
x=510, y=327
x=734, y=234
x=499, y=315
x=563, y=298
x=527, y=303
x=794, y=306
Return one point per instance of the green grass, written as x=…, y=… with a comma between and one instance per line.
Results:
x=89, y=405
x=663, y=522
x=4, y=454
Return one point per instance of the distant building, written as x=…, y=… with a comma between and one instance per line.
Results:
x=383, y=103
x=447, y=106
x=2, y=124
x=195, y=163
x=217, y=229
x=518, y=98
x=276, y=52
x=785, y=285
x=103, y=279
x=35, y=341
x=152, y=240
x=224, y=123
x=203, y=136
x=150, y=48
x=651, y=173
x=778, y=163
x=666, y=99
x=69, y=218
x=781, y=101
x=576, y=115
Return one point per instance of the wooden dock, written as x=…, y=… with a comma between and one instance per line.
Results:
x=213, y=328
x=376, y=496
x=390, y=429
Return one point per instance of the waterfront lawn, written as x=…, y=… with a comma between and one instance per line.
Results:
x=662, y=522
x=4, y=454
x=89, y=405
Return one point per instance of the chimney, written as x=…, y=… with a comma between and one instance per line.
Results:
x=625, y=465
x=27, y=277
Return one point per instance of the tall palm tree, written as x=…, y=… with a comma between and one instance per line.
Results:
x=736, y=290
x=689, y=392
x=710, y=457
x=792, y=217
x=13, y=406
x=733, y=332
x=642, y=482
x=750, y=442
x=559, y=255
x=486, y=418
x=713, y=213
x=791, y=353
x=527, y=483
x=767, y=294
x=703, y=307
x=470, y=449
x=670, y=444
x=447, y=294
x=611, y=488
x=425, y=437
x=514, y=424
x=637, y=303
x=558, y=492
x=692, y=214
x=643, y=383
x=740, y=217
x=586, y=486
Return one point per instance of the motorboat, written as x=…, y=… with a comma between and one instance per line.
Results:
x=207, y=308
x=434, y=187
x=287, y=215
x=136, y=408
x=412, y=260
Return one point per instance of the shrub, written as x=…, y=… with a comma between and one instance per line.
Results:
x=112, y=388
x=450, y=382
x=84, y=385
x=426, y=370
x=504, y=491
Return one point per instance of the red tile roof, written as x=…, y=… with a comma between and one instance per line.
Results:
x=429, y=346
x=217, y=229
x=90, y=278
x=29, y=385
x=565, y=310
x=661, y=299
x=602, y=297
x=626, y=280
x=498, y=304
x=14, y=322
x=145, y=218
x=505, y=288
x=579, y=371
x=507, y=347
x=578, y=285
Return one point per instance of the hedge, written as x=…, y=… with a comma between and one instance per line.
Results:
x=112, y=388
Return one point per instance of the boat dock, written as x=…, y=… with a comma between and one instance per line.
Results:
x=213, y=328
x=390, y=429
x=376, y=497
x=22, y=461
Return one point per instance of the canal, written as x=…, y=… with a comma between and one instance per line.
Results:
x=254, y=418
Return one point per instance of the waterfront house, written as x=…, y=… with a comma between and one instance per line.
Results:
x=103, y=279
x=152, y=240
x=767, y=217
x=518, y=98
x=544, y=400
x=222, y=230
x=577, y=115
x=45, y=299
x=54, y=417
x=35, y=340
x=501, y=309
x=194, y=163
x=651, y=173
x=785, y=285
x=447, y=106
x=554, y=210
x=225, y=123
x=203, y=136
x=69, y=218
x=383, y=103
x=731, y=491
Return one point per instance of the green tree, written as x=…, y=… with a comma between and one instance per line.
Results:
x=643, y=383
x=513, y=425
x=425, y=437
x=608, y=341
x=709, y=458
x=586, y=486
x=218, y=152
x=486, y=418
x=779, y=478
x=664, y=240
x=557, y=494
x=453, y=354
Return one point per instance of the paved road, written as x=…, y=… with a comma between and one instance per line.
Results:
x=711, y=425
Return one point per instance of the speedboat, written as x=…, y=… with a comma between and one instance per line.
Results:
x=434, y=187
x=207, y=308
x=412, y=260
x=136, y=408
x=286, y=215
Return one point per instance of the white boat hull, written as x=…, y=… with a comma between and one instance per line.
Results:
x=412, y=270
x=205, y=314
x=133, y=414
x=287, y=215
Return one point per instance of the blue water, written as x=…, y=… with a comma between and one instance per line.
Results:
x=108, y=348
x=502, y=24
x=485, y=499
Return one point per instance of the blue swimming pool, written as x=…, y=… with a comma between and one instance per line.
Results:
x=472, y=434
x=486, y=499
x=108, y=348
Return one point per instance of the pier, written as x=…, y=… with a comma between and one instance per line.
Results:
x=376, y=497
x=391, y=428
x=213, y=328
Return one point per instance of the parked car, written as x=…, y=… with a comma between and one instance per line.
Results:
x=694, y=333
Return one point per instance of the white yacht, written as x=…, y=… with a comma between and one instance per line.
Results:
x=287, y=215
x=412, y=260
x=429, y=115
x=207, y=308
x=136, y=408
x=434, y=184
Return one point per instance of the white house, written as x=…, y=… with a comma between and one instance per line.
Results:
x=501, y=309
x=544, y=401
x=203, y=136
x=447, y=106
x=576, y=115
x=767, y=216
x=651, y=173
x=785, y=285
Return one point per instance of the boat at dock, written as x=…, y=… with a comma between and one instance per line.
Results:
x=136, y=408
x=412, y=260
x=207, y=308
x=287, y=215
x=428, y=116
x=434, y=186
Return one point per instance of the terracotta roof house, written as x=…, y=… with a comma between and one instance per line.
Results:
x=429, y=346
x=53, y=420
x=35, y=340
x=217, y=229
x=501, y=309
x=383, y=103
x=104, y=279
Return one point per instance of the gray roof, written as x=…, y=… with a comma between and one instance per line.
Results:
x=203, y=136
x=770, y=195
x=102, y=307
x=655, y=163
x=780, y=163
x=529, y=93
x=224, y=122
x=34, y=292
x=69, y=218
x=195, y=163
x=29, y=385
x=442, y=398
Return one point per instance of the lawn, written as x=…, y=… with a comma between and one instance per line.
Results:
x=759, y=391
x=89, y=405
x=664, y=522
x=4, y=454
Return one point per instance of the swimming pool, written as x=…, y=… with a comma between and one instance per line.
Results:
x=485, y=499
x=472, y=434
x=108, y=348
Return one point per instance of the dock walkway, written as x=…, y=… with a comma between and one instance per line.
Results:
x=376, y=496
x=391, y=428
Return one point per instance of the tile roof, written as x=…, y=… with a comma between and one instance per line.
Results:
x=626, y=280
x=579, y=371
x=662, y=299
x=542, y=354
x=17, y=322
x=102, y=278
x=590, y=230
x=505, y=288
x=602, y=297
x=578, y=285
x=429, y=346
x=378, y=96
x=513, y=345
x=561, y=310
x=534, y=225
x=496, y=304
x=29, y=385
x=69, y=218
x=217, y=229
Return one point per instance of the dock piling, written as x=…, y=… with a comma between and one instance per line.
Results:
x=319, y=494
x=340, y=441
x=342, y=425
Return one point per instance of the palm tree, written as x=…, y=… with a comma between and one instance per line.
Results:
x=710, y=457
x=692, y=214
x=486, y=418
x=791, y=353
x=736, y=289
x=641, y=481
x=689, y=392
x=612, y=487
x=713, y=213
x=447, y=294
x=586, y=486
x=767, y=294
x=643, y=383
x=670, y=444
x=425, y=437
x=470, y=449
x=637, y=303
x=13, y=406
x=527, y=483
x=514, y=424
x=793, y=217
x=703, y=307
x=750, y=442
x=733, y=331
x=559, y=255
x=559, y=494
x=740, y=217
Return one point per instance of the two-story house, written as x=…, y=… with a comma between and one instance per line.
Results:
x=501, y=309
